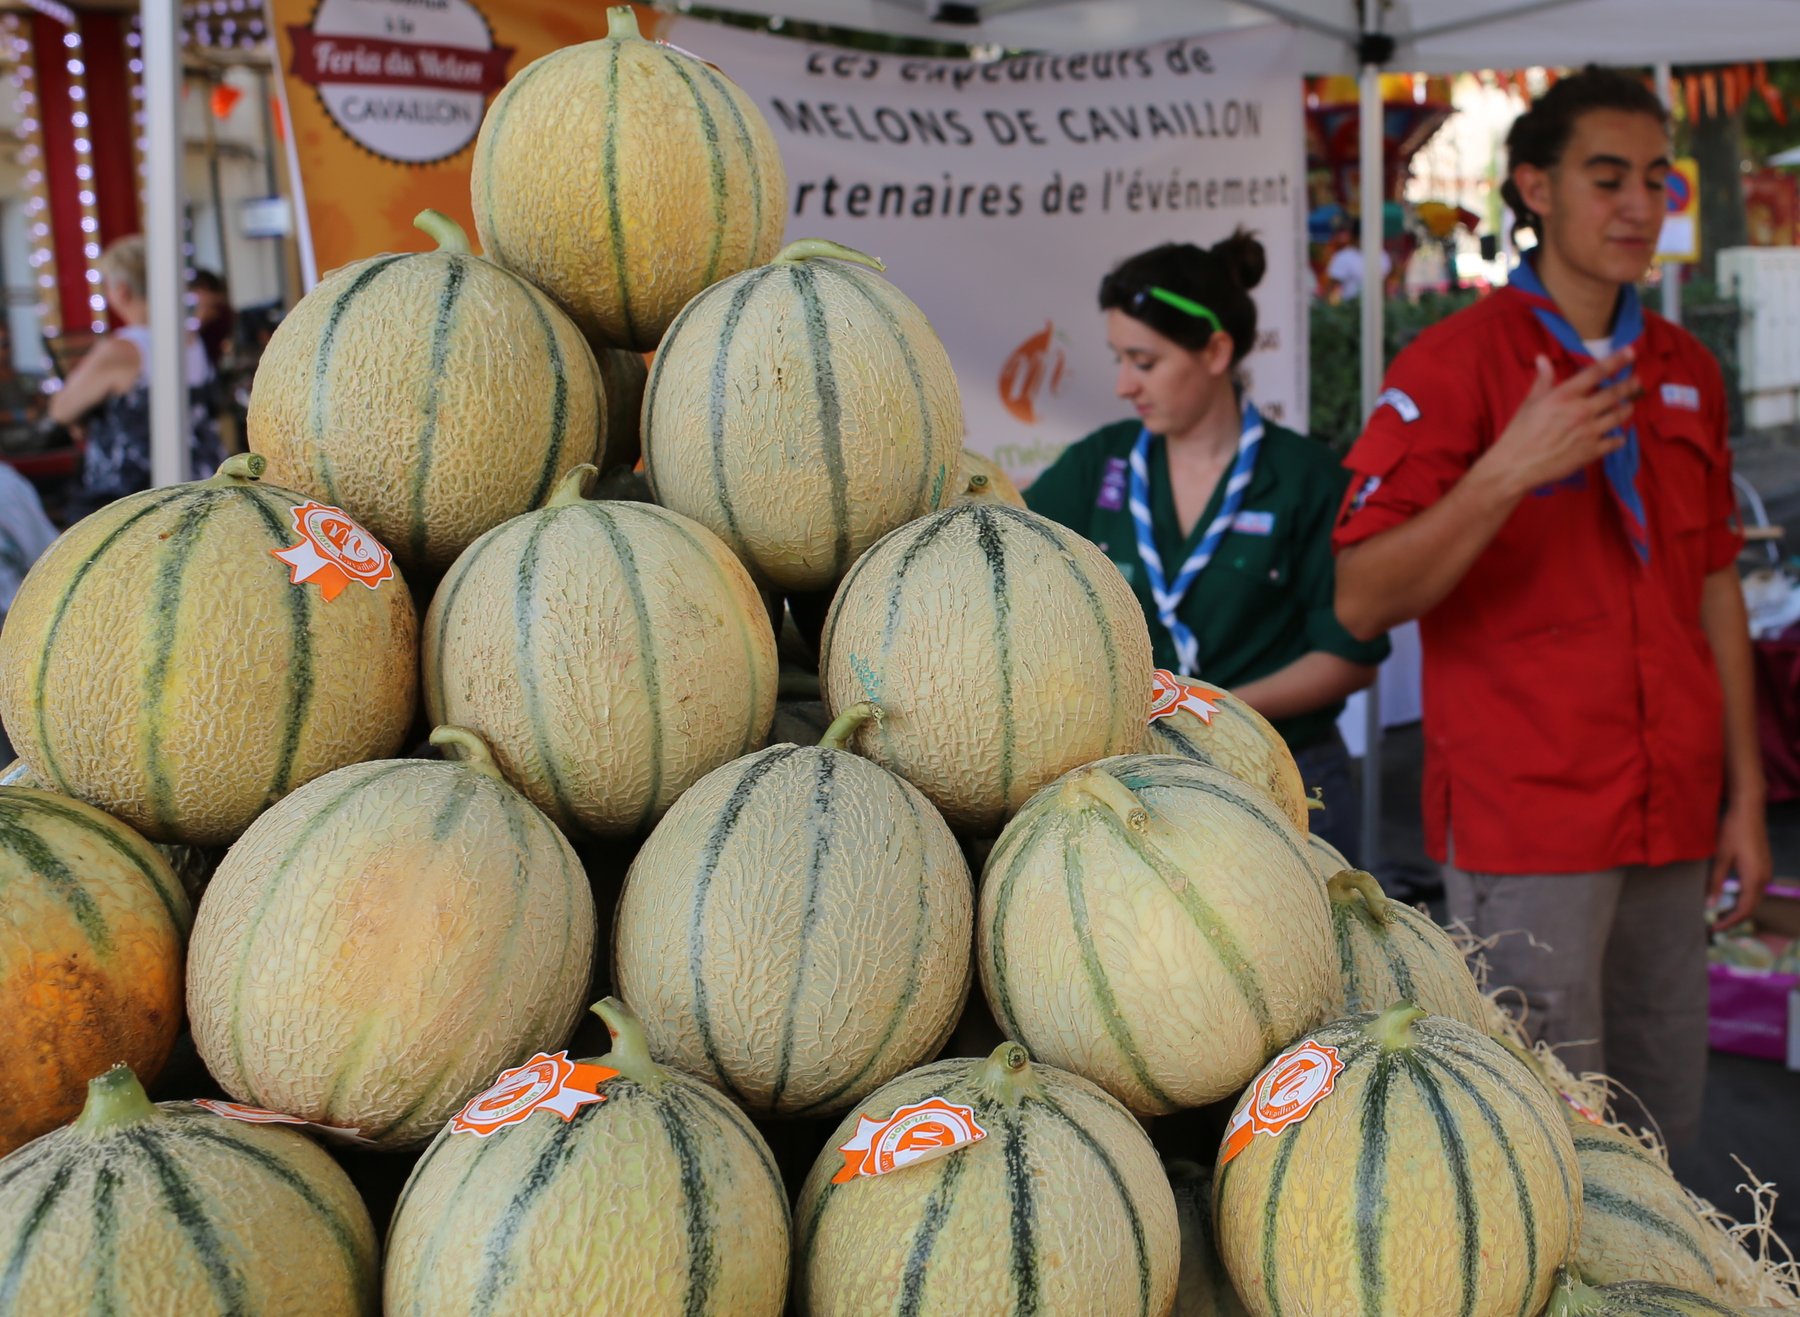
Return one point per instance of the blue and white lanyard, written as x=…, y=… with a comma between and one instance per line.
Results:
x=1168, y=596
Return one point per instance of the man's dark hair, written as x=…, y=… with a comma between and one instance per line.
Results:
x=205, y=281
x=1219, y=277
x=1541, y=135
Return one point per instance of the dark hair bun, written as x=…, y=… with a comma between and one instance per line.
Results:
x=1244, y=257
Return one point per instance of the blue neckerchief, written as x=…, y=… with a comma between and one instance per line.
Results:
x=1622, y=464
x=1168, y=596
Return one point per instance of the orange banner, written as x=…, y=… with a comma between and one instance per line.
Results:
x=385, y=98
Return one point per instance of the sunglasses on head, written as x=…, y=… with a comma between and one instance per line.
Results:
x=1143, y=297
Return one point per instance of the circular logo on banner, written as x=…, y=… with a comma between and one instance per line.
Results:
x=1678, y=195
x=405, y=80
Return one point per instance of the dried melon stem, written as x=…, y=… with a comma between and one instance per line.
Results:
x=1393, y=1027
x=978, y=482
x=1355, y=884
x=475, y=752
x=806, y=249
x=1006, y=1076
x=1101, y=787
x=239, y=467
x=630, y=1054
x=848, y=723
x=574, y=487
x=444, y=231
x=115, y=1101
x=621, y=24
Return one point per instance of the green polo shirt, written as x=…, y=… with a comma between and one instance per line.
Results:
x=1265, y=599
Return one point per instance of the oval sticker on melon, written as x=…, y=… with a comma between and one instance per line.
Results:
x=1293, y=1084
x=1169, y=693
x=263, y=1116
x=333, y=551
x=544, y=1083
x=913, y=1134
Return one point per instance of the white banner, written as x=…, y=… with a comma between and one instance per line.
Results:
x=1000, y=194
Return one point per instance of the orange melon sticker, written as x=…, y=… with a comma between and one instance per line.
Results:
x=544, y=1083
x=263, y=1116
x=334, y=551
x=911, y=1135
x=1585, y=1113
x=1293, y=1084
x=1169, y=693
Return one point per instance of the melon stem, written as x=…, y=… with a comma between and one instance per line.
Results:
x=805, y=249
x=444, y=231
x=846, y=724
x=978, y=482
x=239, y=467
x=1006, y=1076
x=475, y=752
x=1102, y=788
x=1350, y=884
x=630, y=1054
x=573, y=488
x=1393, y=1027
x=621, y=23
x=1571, y=1298
x=115, y=1101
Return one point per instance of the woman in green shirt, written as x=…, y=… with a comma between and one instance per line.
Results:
x=1219, y=520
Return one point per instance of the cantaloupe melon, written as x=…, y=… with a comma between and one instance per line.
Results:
x=1328, y=860
x=163, y=664
x=796, y=930
x=1207, y=723
x=91, y=944
x=983, y=480
x=623, y=176
x=1154, y=925
x=612, y=654
x=1636, y=1298
x=660, y=1200
x=1400, y=1164
x=385, y=940
x=1061, y=1208
x=431, y=396
x=800, y=411
x=148, y=1209
x=1388, y=952
x=1004, y=650
x=1203, y=1290
x=1636, y=1221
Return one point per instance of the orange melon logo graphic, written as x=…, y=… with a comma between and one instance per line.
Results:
x=544, y=1083
x=334, y=551
x=1035, y=369
x=911, y=1135
x=1169, y=693
x=1295, y=1082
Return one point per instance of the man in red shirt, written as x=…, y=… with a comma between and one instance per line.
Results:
x=1546, y=484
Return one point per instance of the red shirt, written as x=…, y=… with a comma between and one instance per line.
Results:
x=1573, y=714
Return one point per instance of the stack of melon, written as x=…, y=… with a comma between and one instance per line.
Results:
x=986, y=815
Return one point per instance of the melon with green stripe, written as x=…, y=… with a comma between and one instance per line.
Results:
x=1203, y=1289
x=91, y=948
x=1142, y=904
x=1637, y=1223
x=383, y=941
x=1430, y=1174
x=623, y=176
x=800, y=411
x=430, y=395
x=1636, y=1298
x=1328, y=862
x=160, y=663
x=1003, y=649
x=1387, y=952
x=1210, y=725
x=796, y=930
x=148, y=1208
x=1060, y=1207
x=983, y=480
x=611, y=654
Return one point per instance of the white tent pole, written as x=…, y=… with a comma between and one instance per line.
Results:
x=1671, y=273
x=162, y=233
x=1374, y=297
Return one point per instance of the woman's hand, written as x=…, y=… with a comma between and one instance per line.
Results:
x=1315, y=680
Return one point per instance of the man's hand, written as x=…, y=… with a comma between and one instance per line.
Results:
x=1743, y=848
x=1561, y=428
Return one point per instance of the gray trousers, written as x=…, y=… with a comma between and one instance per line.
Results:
x=1613, y=974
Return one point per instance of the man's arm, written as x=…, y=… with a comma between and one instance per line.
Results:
x=1405, y=572
x=1312, y=681
x=1744, y=831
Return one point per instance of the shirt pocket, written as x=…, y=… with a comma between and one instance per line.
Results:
x=1260, y=566
x=1686, y=478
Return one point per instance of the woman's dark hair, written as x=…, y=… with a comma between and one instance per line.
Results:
x=1219, y=278
x=1541, y=135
